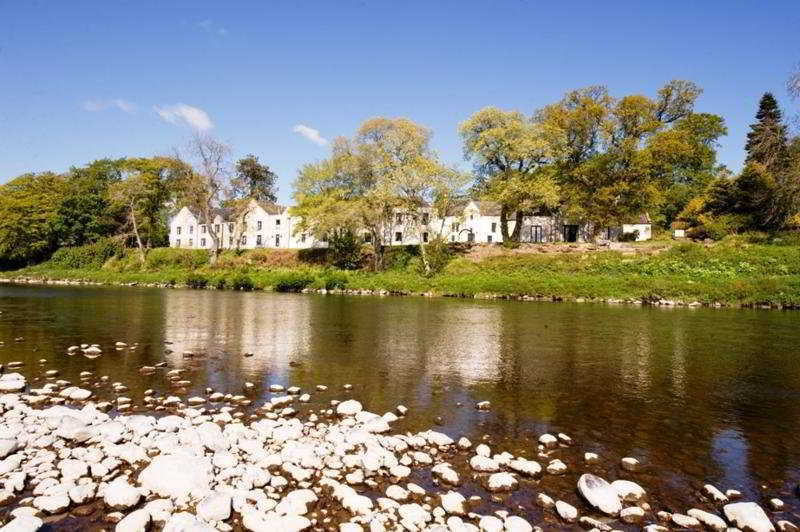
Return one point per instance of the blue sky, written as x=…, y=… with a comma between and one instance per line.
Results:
x=82, y=80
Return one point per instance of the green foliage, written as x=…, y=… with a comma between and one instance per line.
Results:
x=629, y=237
x=293, y=281
x=439, y=254
x=242, y=282
x=197, y=281
x=254, y=180
x=168, y=258
x=344, y=250
x=28, y=210
x=90, y=256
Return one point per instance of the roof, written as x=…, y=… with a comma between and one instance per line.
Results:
x=271, y=207
x=488, y=208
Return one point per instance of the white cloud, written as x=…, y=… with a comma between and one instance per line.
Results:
x=102, y=105
x=181, y=113
x=311, y=134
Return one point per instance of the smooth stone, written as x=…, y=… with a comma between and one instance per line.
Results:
x=632, y=515
x=215, y=507
x=599, y=494
x=748, y=516
x=566, y=511
x=685, y=521
x=630, y=464
x=714, y=522
x=350, y=407
x=23, y=523
x=138, y=521
x=628, y=491
x=453, y=503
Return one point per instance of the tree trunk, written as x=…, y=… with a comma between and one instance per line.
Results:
x=515, y=236
x=504, y=224
x=424, y=257
x=136, y=233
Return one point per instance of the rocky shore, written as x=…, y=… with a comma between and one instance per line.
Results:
x=223, y=462
x=654, y=302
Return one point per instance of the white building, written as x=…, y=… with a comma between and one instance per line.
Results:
x=268, y=225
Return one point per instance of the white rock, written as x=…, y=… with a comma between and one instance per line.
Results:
x=483, y=464
x=566, y=511
x=517, y=524
x=628, y=491
x=176, y=476
x=350, y=407
x=490, y=523
x=631, y=515
x=710, y=520
x=137, y=521
x=599, y=494
x=548, y=440
x=502, y=482
x=453, y=503
x=526, y=467
x=685, y=521
x=23, y=523
x=714, y=494
x=186, y=522
x=120, y=495
x=556, y=467
x=11, y=382
x=748, y=516
x=51, y=504
x=629, y=464
x=215, y=507
x=8, y=446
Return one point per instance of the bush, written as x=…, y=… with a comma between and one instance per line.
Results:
x=714, y=227
x=345, y=250
x=220, y=283
x=90, y=256
x=332, y=280
x=197, y=281
x=190, y=259
x=439, y=254
x=629, y=237
x=399, y=257
x=242, y=282
x=292, y=281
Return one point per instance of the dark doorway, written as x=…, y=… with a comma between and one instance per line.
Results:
x=570, y=233
x=470, y=237
x=536, y=233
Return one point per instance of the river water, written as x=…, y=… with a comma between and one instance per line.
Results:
x=697, y=395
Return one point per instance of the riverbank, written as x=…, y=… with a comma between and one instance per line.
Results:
x=84, y=455
x=723, y=274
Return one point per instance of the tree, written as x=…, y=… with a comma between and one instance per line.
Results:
x=29, y=206
x=767, y=140
x=85, y=213
x=615, y=159
x=508, y=149
x=142, y=193
x=254, y=180
x=385, y=169
x=203, y=188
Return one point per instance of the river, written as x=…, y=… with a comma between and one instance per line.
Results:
x=697, y=395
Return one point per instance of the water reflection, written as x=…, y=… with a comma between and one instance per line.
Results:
x=706, y=395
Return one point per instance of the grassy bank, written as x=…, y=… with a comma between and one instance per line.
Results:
x=730, y=272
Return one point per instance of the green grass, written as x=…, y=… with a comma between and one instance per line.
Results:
x=735, y=271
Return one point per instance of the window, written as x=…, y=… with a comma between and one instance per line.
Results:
x=489, y=239
x=471, y=216
x=494, y=227
x=191, y=229
x=424, y=237
x=398, y=237
x=452, y=238
x=230, y=228
x=277, y=241
x=277, y=221
x=454, y=226
x=258, y=238
x=179, y=229
x=259, y=225
x=367, y=237
x=303, y=238
x=191, y=242
x=470, y=237
x=202, y=242
x=425, y=217
x=216, y=228
x=399, y=218
x=178, y=243
x=230, y=241
x=244, y=240
x=203, y=229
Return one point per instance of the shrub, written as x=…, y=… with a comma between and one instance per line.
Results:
x=292, y=281
x=333, y=279
x=399, y=257
x=242, y=282
x=190, y=259
x=197, y=281
x=90, y=256
x=345, y=250
x=220, y=283
x=629, y=237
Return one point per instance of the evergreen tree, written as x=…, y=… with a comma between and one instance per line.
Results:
x=767, y=142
